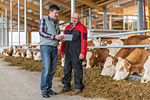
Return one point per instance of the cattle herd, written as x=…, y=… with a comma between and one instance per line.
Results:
x=118, y=63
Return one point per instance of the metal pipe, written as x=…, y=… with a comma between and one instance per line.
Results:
x=117, y=34
x=72, y=7
x=41, y=9
x=124, y=46
x=2, y=30
x=19, y=20
x=6, y=25
x=144, y=17
x=25, y=19
x=89, y=19
x=100, y=41
x=104, y=17
x=140, y=15
x=11, y=21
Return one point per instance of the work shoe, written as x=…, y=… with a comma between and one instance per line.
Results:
x=45, y=94
x=65, y=89
x=77, y=91
x=50, y=92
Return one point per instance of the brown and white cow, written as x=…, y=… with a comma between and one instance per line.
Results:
x=99, y=55
x=37, y=55
x=133, y=63
x=146, y=76
x=8, y=52
x=109, y=66
x=29, y=54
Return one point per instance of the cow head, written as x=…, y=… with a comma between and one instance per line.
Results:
x=38, y=56
x=28, y=54
x=109, y=68
x=121, y=69
x=146, y=76
x=94, y=58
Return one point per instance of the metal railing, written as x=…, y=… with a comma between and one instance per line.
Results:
x=124, y=46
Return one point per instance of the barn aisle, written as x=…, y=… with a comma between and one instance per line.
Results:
x=16, y=84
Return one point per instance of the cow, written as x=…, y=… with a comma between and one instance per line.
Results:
x=8, y=52
x=109, y=67
x=146, y=76
x=23, y=53
x=29, y=54
x=94, y=42
x=133, y=63
x=37, y=55
x=98, y=56
x=17, y=54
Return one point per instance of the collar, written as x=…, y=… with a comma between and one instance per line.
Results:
x=129, y=67
x=74, y=25
x=128, y=61
x=51, y=19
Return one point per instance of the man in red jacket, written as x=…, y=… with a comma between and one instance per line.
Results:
x=74, y=51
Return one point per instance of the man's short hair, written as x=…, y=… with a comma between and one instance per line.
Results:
x=53, y=7
x=76, y=12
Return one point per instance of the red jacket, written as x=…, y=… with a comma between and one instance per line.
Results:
x=79, y=39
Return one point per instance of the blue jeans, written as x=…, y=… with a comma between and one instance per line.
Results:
x=49, y=60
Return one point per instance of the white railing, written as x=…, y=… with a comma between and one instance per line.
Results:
x=124, y=46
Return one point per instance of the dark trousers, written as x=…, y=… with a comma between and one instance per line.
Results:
x=76, y=64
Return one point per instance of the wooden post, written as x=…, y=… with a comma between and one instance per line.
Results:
x=95, y=23
x=132, y=24
x=28, y=35
x=110, y=22
x=124, y=23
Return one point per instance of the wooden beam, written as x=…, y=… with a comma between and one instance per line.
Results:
x=46, y=2
x=37, y=8
x=129, y=4
x=31, y=1
x=14, y=4
x=3, y=0
x=14, y=9
x=115, y=9
x=100, y=1
x=67, y=1
x=15, y=25
x=68, y=10
x=108, y=20
x=121, y=2
x=61, y=3
x=106, y=2
x=92, y=4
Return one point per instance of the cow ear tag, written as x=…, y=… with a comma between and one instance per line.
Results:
x=96, y=56
x=128, y=67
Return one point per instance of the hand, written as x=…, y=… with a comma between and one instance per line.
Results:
x=63, y=55
x=62, y=40
x=81, y=56
x=59, y=37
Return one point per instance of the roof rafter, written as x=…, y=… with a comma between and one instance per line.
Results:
x=14, y=9
x=37, y=8
x=107, y=2
x=45, y=2
x=92, y=4
x=31, y=1
x=21, y=19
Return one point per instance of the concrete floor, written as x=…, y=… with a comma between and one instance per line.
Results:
x=16, y=84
